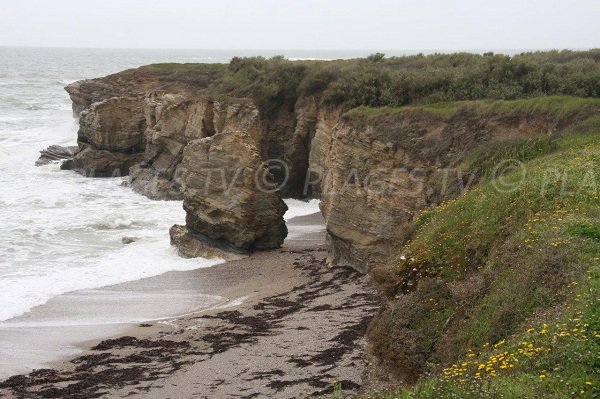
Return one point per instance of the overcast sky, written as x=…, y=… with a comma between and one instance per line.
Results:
x=302, y=24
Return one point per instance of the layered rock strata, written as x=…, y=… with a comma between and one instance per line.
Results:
x=172, y=122
x=110, y=138
x=228, y=196
x=379, y=172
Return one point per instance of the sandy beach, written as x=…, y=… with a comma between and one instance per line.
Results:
x=276, y=324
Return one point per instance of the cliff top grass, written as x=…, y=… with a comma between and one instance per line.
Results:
x=497, y=295
x=551, y=106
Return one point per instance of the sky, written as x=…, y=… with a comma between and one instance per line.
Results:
x=302, y=24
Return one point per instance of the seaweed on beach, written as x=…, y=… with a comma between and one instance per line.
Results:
x=139, y=363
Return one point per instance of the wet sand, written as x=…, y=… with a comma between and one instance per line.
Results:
x=276, y=324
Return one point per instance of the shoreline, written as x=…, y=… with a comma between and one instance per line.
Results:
x=62, y=327
x=258, y=294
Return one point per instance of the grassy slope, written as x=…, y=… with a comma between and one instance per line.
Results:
x=507, y=285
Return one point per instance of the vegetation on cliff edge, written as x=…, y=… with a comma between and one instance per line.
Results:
x=497, y=294
x=377, y=81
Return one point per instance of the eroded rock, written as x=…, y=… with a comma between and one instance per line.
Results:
x=110, y=137
x=175, y=120
x=371, y=191
x=101, y=163
x=55, y=153
x=190, y=245
x=228, y=195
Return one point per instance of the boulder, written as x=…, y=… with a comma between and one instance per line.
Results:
x=128, y=240
x=191, y=245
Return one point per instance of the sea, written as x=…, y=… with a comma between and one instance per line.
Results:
x=61, y=232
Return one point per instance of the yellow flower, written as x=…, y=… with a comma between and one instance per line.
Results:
x=589, y=383
x=542, y=376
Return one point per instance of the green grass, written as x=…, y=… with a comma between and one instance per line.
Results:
x=485, y=159
x=511, y=261
x=556, y=106
x=446, y=110
x=553, y=106
x=591, y=231
x=551, y=359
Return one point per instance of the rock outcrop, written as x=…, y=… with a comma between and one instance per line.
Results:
x=110, y=137
x=140, y=81
x=176, y=110
x=372, y=185
x=228, y=195
x=192, y=245
x=172, y=122
x=55, y=153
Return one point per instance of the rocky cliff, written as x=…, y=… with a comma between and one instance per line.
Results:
x=175, y=141
x=381, y=167
x=372, y=168
x=173, y=121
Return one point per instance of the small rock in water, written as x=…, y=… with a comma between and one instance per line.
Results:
x=128, y=240
x=55, y=153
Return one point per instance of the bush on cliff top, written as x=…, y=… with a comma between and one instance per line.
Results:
x=497, y=294
x=396, y=81
x=437, y=78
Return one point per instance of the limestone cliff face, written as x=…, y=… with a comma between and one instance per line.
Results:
x=373, y=182
x=320, y=147
x=110, y=138
x=173, y=121
x=86, y=92
x=174, y=114
x=136, y=83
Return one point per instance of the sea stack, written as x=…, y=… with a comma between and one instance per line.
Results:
x=228, y=198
